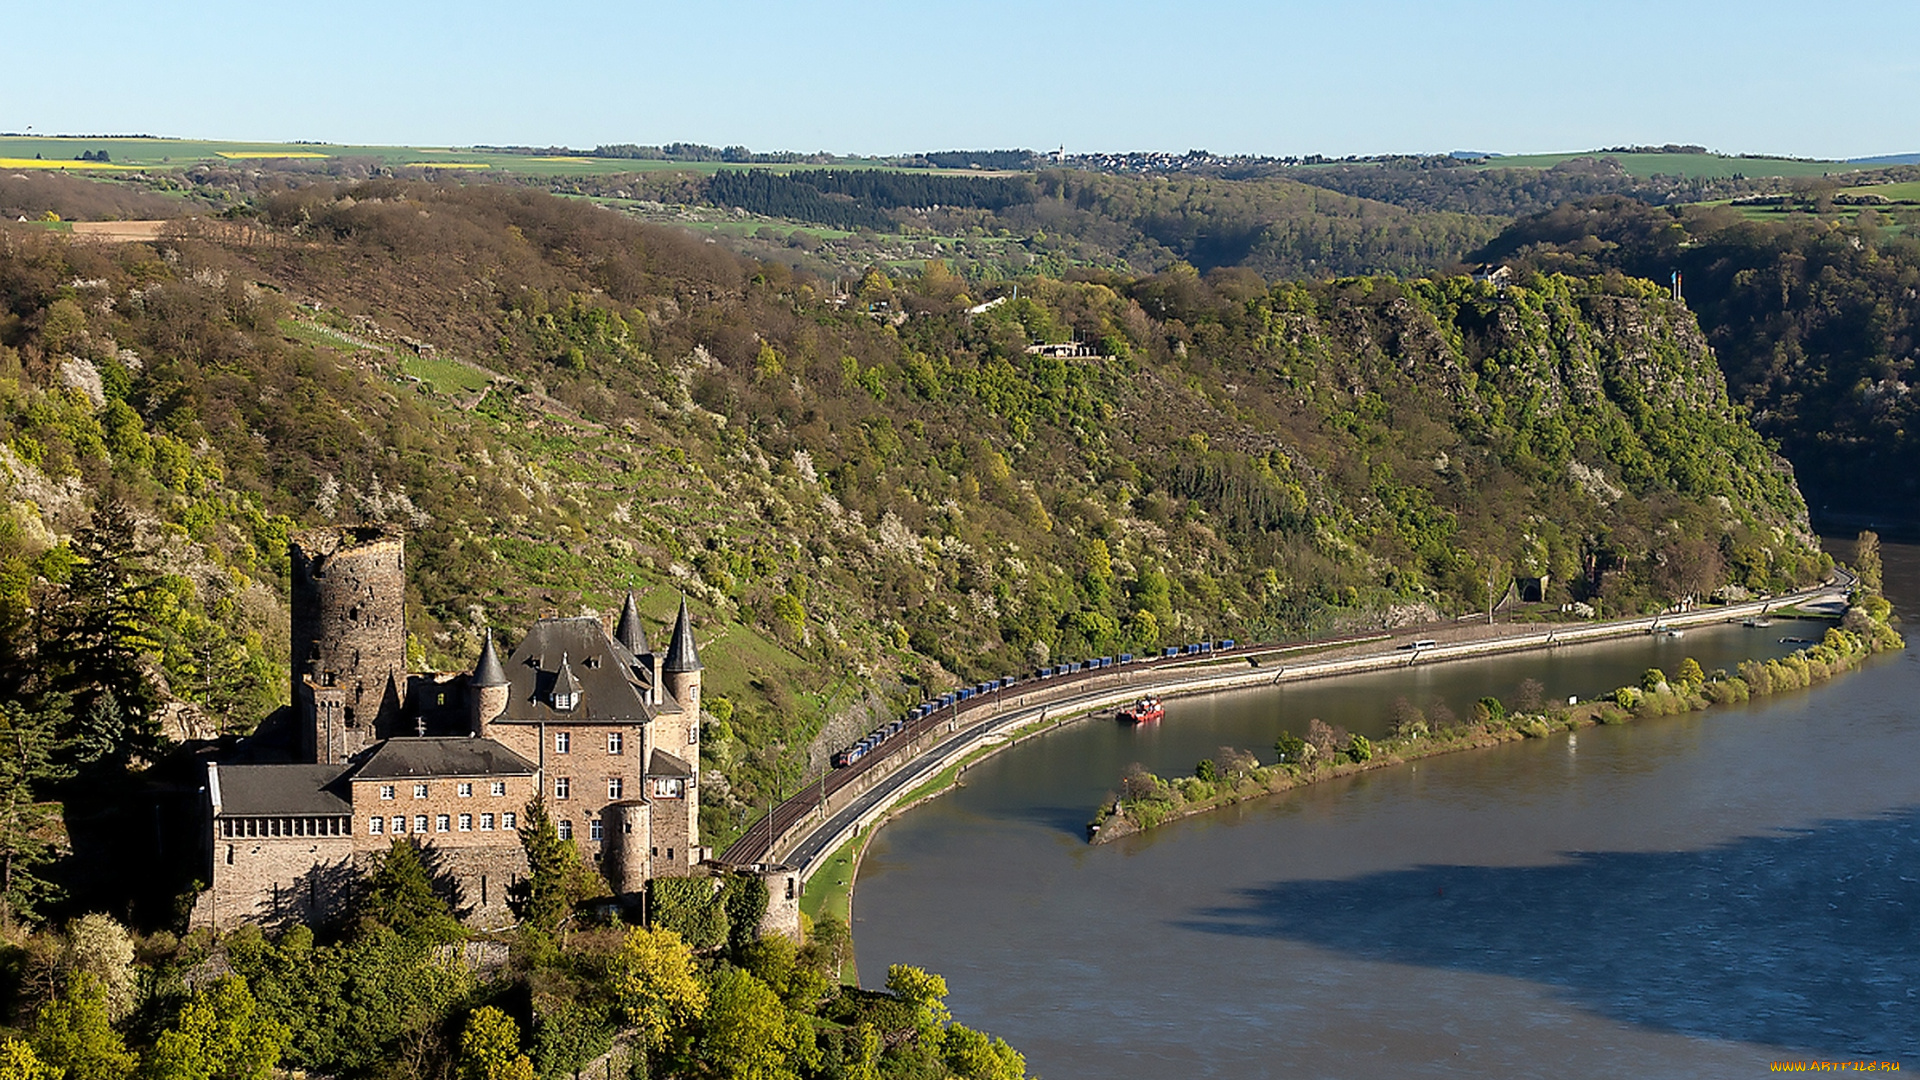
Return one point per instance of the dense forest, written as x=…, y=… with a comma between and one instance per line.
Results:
x=1816, y=322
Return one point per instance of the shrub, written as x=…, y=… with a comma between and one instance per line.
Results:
x=1359, y=750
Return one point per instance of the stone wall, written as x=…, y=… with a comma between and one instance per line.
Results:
x=276, y=881
x=443, y=800
x=587, y=764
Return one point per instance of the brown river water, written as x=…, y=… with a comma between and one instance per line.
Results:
x=1691, y=896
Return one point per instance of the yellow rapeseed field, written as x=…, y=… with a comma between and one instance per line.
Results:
x=236, y=155
x=36, y=163
x=448, y=165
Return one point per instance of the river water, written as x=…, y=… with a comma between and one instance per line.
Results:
x=1695, y=895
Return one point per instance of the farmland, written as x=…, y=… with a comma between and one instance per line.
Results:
x=133, y=152
x=1712, y=166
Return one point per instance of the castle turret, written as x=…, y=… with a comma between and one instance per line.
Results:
x=627, y=835
x=630, y=632
x=488, y=697
x=349, y=639
x=681, y=669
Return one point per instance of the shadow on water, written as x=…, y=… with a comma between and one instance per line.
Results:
x=1805, y=940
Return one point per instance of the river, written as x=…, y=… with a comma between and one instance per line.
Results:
x=1696, y=895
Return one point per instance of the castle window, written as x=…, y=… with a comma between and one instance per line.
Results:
x=466, y=822
x=566, y=829
x=419, y=823
x=669, y=787
x=386, y=791
x=229, y=854
x=442, y=822
x=563, y=702
x=465, y=790
x=419, y=791
x=376, y=826
x=506, y=821
x=594, y=830
x=615, y=741
x=563, y=742
x=399, y=824
x=486, y=822
x=614, y=787
x=693, y=734
x=562, y=785
x=499, y=787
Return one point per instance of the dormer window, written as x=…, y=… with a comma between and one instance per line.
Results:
x=566, y=688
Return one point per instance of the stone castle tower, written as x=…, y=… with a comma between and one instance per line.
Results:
x=349, y=655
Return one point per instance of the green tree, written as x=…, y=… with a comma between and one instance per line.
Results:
x=747, y=1034
x=490, y=1048
x=74, y=1033
x=98, y=629
x=30, y=831
x=1291, y=748
x=975, y=1056
x=655, y=987
x=219, y=1034
x=1359, y=750
x=18, y=1062
x=1691, y=674
x=539, y=900
x=924, y=993
x=1866, y=561
x=400, y=896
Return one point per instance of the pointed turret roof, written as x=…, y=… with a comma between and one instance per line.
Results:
x=564, y=684
x=488, y=671
x=682, y=654
x=630, y=633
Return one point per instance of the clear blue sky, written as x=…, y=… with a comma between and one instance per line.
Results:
x=876, y=77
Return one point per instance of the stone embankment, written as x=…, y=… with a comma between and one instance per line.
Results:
x=806, y=837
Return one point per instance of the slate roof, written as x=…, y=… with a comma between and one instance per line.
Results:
x=665, y=764
x=488, y=671
x=682, y=654
x=405, y=759
x=280, y=790
x=612, y=681
x=631, y=632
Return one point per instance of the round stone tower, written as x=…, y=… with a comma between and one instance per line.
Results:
x=487, y=692
x=349, y=656
x=682, y=673
x=627, y=831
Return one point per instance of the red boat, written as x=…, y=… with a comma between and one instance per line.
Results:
x=1145, y=711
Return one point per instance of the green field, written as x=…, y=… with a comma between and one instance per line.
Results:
x=183, y=153
x=1906, y=192
x=1712, y=166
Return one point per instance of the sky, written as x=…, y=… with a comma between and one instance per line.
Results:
x=874, y=77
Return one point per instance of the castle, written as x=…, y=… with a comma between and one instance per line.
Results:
x=603, y=725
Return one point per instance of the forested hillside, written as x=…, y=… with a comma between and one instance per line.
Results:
x=866, y=497
x=1814, y=312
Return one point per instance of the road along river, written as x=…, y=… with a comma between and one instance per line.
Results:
x=1705, y=893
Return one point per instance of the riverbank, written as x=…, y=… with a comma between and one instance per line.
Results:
x=1146, y=801
x=818, y=822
